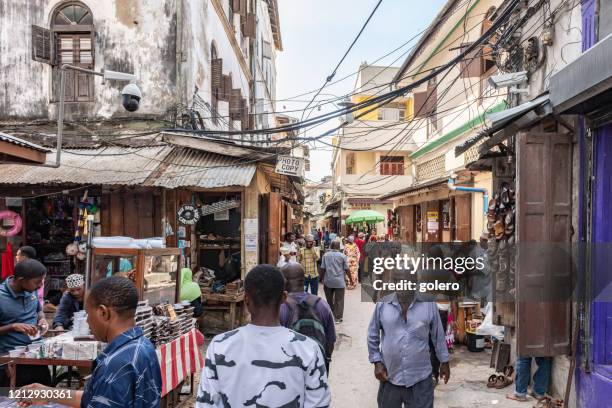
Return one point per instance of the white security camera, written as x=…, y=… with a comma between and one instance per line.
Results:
x=130, y=97
x=507, y=80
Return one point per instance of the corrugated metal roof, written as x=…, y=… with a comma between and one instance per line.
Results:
x=159, y=166
x=192, y=168
x=110, y=165
x=4, y=137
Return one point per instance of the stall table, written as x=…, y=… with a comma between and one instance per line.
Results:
x=13, y=362
x=177, y=359
x=226, y=301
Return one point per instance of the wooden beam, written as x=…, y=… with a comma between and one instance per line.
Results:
x=22, y=152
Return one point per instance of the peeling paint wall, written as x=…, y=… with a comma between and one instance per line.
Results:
x=136, y=36
x=166, y=43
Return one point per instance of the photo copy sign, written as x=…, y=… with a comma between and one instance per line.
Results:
x=291, y=166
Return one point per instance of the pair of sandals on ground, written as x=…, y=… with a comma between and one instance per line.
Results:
x=502, y=381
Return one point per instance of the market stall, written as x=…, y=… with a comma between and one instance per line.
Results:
x=177, y=346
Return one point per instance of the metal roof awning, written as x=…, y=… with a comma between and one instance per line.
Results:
x=158, y=166
x=16, y=150
x=432, y=185
x=366, y=200
x=504, y=123
x=585, y=84
x=192, y=168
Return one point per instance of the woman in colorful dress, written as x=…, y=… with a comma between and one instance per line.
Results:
x=351, y=250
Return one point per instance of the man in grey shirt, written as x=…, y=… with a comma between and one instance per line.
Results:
x=334, y=266
x=398, y=346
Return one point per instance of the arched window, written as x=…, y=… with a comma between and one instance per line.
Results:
x=73, y=33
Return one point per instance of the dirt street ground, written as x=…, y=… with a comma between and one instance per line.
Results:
x=352, y=377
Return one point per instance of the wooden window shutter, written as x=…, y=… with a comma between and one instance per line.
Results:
x=544, y=218
x=236, y=6
x=431, y=102
x=420, y=99
x=83, y=87
x=226, y=88
x=244, y=113
x=234, y=104
x=243, y=7
x=216, y=66
x=267, y=50
x=249, y=26
x=470, y=65
x=41, y=44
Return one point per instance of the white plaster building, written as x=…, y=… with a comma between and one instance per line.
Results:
x=214, y=56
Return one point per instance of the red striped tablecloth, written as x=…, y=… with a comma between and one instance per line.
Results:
x=179, y=359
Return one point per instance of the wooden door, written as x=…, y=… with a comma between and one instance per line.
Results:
x=264, y=216
x=407, y=227
x=274, y=227
x=544, y=203
x=463, y=217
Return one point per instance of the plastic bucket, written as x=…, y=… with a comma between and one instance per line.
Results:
x=475, y=342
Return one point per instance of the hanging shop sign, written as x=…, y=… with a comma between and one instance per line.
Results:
x=432, y=222
x=219, y=206
x=291, y=166
x=188, y=214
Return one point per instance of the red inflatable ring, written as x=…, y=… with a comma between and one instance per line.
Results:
x=17, y=223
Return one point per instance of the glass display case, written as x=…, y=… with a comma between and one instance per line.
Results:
x=154, y=271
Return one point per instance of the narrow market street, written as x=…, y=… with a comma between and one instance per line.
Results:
x=178, y=171
x=352, y=376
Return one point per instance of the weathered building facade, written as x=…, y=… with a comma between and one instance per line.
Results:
x=201, y=65
x=448, y=109
x=213, y=56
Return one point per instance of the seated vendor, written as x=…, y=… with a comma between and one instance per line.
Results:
x=22, y=319
x=127, y=372
x=72, y=301
x=191, y=292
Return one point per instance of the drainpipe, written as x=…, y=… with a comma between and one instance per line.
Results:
x=484, y=191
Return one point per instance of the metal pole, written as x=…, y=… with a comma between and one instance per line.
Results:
x=90, y=219
x=60, y=117
x=60, y=112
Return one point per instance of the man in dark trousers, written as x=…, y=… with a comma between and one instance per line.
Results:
x=320, y=310
x=334, y=267
x=398, y=346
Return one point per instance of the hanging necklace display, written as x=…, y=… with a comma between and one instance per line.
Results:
x=219, y=206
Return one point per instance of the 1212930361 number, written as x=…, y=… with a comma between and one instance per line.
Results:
x=40, y=394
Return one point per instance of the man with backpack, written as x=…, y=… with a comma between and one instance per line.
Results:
x=307, y=314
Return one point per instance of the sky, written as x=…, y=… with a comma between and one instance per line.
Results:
x=317, y=33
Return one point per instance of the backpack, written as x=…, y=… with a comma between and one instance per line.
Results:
x=305, y=321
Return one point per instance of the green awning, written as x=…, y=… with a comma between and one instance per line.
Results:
x=365, y=216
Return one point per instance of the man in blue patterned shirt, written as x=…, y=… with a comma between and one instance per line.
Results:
x=126, y=374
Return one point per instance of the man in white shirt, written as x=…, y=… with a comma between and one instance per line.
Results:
x=264, y=364
x=287, y=256
x=290, y=242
